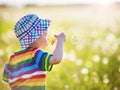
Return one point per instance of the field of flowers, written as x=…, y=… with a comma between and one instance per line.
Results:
x=92, y=49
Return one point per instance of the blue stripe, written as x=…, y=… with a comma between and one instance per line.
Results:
x=25, y=64
x=40, y=63
x=39, y=53
x=7, y=71
x=23, y=70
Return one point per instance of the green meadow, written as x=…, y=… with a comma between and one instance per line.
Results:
x=91, y=52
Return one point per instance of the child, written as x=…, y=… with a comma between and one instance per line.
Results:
x=26, y=69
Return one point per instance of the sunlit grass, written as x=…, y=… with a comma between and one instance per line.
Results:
x=92, y=49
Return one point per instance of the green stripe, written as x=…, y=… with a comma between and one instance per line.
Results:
x=5, y=80
x=5, y=75
x=43, y=62
x=48, y=63
x=19, y=51
x=29, y=88
x=46, y=60
x=21, y=63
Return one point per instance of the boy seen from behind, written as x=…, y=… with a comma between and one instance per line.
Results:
x=26, y=68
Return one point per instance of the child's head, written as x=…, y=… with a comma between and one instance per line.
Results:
x=37, y=43
x=32, y=30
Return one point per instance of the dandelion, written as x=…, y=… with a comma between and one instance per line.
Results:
x=105, y=60
x=106, y=80
x=84, y=71
x=66, y=86
x=96, y=58
x=115, y=88
x=110, y=38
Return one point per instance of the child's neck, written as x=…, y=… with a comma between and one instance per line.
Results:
x=30, y=47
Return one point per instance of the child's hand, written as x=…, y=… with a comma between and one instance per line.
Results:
x=61, y=36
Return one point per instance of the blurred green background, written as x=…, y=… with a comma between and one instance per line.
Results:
x=92, y=49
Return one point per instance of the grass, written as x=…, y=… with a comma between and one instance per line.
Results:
x=91, y=57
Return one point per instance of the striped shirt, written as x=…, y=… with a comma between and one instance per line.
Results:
x=26, y=69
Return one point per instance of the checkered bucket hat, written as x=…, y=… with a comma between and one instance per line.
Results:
x=29, y=28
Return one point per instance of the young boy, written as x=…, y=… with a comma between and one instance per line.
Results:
x=26, y=69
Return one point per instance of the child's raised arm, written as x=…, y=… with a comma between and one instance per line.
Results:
x=58, y=52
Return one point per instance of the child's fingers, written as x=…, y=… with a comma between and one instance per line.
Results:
x=56, y=36
x=53, y=41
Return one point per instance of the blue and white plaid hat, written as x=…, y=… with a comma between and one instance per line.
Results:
x=29, y=28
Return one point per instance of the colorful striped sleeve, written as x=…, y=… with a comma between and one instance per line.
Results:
x=5, y=76
x=43, y=60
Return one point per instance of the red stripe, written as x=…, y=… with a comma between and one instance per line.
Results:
x=38, y=76
x=25, y=52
